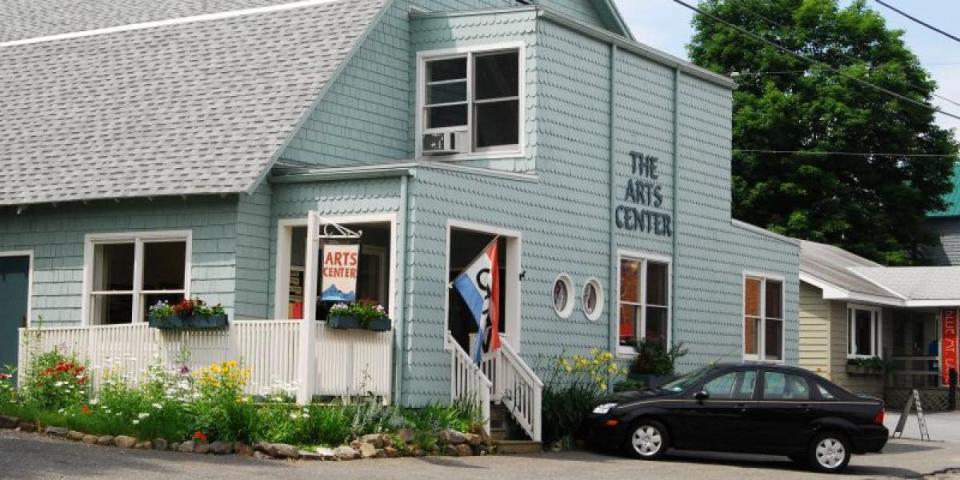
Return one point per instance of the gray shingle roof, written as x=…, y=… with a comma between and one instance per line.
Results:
x=917, y=283
x=193, y=108
x=833, y=265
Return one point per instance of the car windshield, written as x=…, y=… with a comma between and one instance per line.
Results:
x=687, y=380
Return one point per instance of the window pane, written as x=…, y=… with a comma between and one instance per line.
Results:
x=561, y=295
x=774, y=304
x=450, y=116
x=748, y=385
x=447, y=93
x=590, y=296
x=151, y=300
x=657, y=281
x=112, y=309
x=824, y=393
x=751, y=335
x=722, y=387
x=751, y=297
x=497, y=75
x=774, y=340
x=864, y=329
x=630, y=281
x=163, y=265
x=629, y=317
x=454, y=68
x=656, y=325
x=113, y=267
x=780, y=386
x=497, y=123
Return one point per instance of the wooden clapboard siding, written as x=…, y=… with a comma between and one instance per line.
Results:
x=815, y=330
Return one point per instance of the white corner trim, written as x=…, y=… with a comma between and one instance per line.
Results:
x=163, y=23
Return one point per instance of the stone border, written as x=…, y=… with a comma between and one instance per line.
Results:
x=376, y=445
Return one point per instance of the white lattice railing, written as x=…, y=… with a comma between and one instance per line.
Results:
x=348, y=362
x=520, y=390
x=467, y=382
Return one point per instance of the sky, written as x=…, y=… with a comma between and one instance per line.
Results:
x=665, y=25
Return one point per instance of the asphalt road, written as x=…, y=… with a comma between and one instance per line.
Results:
x=31, y=456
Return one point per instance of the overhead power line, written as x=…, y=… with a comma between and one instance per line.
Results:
x=816, y=62
x=921, y=22
x=848, y=154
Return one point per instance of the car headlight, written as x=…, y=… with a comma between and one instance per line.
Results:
x=603, y=409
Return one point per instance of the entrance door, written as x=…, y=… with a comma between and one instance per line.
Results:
x=14, y=288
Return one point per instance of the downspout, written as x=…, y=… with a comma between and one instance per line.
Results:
x=400, y=330
x=676, y=199
x=612, y=307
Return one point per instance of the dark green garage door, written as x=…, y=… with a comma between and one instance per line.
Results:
x=14, y=284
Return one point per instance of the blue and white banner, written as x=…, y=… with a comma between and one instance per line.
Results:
x=479, y=285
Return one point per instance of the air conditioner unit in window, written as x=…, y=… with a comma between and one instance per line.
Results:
x=444, y=143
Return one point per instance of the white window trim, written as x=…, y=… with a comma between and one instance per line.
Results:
x=137, y=238
x=762, y=346
x=876, y=332
x=643, y=257
x=495, y=152
x=29, y=255
x=571, y=296
x=281, y=290
x=601, y=299
x=512, y=278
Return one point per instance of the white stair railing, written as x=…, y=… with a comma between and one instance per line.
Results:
x=467, y=382
x=520, y=390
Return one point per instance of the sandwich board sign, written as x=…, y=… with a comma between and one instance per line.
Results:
x=913, y=399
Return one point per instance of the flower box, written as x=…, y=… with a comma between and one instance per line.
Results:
x=343, y=322
x=862, y=370
x=189, y=322
x=379, y=325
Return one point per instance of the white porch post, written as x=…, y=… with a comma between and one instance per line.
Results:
x=308, y=328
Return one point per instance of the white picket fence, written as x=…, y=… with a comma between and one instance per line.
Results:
x=349, y=362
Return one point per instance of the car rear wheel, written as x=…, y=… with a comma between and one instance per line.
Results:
x=829, y=452
x=648, y=440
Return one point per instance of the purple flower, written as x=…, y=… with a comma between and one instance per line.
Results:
x=184, y=369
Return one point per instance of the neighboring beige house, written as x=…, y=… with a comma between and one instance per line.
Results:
x=853, y=311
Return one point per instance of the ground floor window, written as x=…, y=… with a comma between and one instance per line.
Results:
x=644, y=301
x=762, y=318
x=863, y=331
x=131, y=272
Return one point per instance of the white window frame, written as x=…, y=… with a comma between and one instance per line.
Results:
x=29, y=255
x=644, y=259
x=567, y=309
x=138, y=239
x=761, y=354
x=506, y=151
x=876, y=334
x=601, y=299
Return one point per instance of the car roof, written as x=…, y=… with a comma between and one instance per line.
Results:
x=767, y=365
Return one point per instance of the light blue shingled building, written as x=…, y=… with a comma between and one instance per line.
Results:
x=150, y=153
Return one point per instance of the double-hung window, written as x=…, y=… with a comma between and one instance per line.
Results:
x=129, y=273
x=476, y=94
x=762, y=318
x=863, y=332
x=644, y=302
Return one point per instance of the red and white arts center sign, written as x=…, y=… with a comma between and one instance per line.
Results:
x=948, y=341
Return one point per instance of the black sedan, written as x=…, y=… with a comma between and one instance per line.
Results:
x=748, y=408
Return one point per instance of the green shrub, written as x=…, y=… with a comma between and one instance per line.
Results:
x=573, y=387
x=221, y=410
x=8, y=389
x=55, y=381
x=653, y=358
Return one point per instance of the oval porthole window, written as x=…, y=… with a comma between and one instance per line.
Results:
x=592, y=299
x=563, y=295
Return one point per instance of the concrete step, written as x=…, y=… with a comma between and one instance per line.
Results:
x=498, y=434
x=517, y=447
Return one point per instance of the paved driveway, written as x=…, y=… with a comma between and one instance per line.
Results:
x=943, y=426
x=34, y=457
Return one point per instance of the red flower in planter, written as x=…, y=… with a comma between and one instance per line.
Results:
x=200, y=437
x=5, y=376
x=185, y=307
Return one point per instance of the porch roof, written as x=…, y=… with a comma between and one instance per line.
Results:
x=105, y=99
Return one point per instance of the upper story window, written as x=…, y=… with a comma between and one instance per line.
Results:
x=762, y=318
x=470, y=103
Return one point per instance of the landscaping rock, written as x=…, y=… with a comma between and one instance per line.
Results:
x=105, y=440
x=261, y=456
x=391, y=452
x=405, y=435
x=450, y=451
x=474, y=440
x=265, y=448
x=160, y=444
x=367, y=450
x=57, y=431
x=27, y=427
x=124, y=441
x=484, y=436
x=310, y=456
x=345, y=453
x=419, y=452
x=326, y=453
x=452, y=437
x=201, y=448
x=186, y=447
x=89, y=439
x=148, y=445
x=464, y=450
x=282, y=450
x=75, y=435
x=243, y=449
x=374, y=439
x=9, y=422
x=221, y=448
x=175, y=447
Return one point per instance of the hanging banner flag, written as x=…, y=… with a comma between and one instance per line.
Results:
x=479, y=285
x=340, y=264
x=948, y=344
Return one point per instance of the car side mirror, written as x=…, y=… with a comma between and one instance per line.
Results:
x=701, y=395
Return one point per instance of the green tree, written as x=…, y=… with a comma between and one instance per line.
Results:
x=872, y=205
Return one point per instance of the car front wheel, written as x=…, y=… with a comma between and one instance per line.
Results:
x=648, y=440
x=829, y=452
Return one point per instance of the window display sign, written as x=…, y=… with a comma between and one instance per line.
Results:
x=340, y=264
x=948, y=342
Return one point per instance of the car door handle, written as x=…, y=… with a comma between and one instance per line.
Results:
x=806, y=408
x=743, y=407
